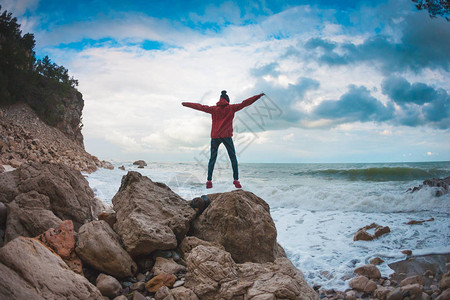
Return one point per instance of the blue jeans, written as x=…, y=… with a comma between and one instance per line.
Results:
x=228, y=142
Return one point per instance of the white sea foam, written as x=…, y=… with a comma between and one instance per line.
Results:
x=318, y=208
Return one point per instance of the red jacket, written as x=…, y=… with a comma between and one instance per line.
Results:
x=222, y=114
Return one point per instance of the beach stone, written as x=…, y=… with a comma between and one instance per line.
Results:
x=407, y=252
x=350, y=295
x=108, y=285
x=167, y=265
x=140, y=163
x=381, y=292
x=444, y=283
x=121, y=297
x=160, y=280
x=362, y=234
x=412, y=280
x=162, y=293
x=413, y=289
x=379, y=231
x=371, y=271
x=99, y=246
x=241, y=222
x=159, y=218
x=416, y=265
x=109, y=217
x=376, y=261
x=137, y=286
x=181, y=293
x=396, y=294
x=138, y=296
x=445, y=295
x=31, y=271
x=363, y=284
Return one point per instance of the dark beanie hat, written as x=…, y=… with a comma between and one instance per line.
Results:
x=224, y=95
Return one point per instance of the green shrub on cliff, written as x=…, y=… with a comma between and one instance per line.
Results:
x=44, y=85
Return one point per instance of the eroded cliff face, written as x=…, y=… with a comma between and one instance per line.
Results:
x=70, y=123
x=25, y=138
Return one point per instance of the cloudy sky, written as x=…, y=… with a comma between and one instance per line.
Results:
x=347, y=81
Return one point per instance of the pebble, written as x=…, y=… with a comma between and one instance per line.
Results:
x=178, y=283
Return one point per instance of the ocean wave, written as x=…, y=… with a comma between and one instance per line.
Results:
x=377, y=174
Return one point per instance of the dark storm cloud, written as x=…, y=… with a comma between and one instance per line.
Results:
x=419, y=103
x=403, y=93
x=424, y=43
x=357, y=105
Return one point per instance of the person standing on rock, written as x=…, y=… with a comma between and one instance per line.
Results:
x=222, y=130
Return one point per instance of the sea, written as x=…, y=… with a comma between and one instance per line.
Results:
x=317, y=208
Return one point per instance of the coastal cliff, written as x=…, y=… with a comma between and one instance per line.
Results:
x=25, y=138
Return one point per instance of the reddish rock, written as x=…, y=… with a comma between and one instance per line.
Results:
x=160, y=280
x=62, y=242
x=363, y=235
x=376, y=261
x=407, y=252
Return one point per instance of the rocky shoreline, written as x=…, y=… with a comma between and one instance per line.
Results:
x=152, y=244
x=24, y=139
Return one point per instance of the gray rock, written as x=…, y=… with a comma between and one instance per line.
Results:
x=369, y=270
x=99, y=246
x=25, y=266
x=108, y=285
x=240, y=221
x=64, y=192
x=150, y=216
x=29, y=215
x=169, y=266
x=395, y=295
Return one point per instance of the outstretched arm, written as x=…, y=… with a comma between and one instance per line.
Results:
x=198, y=106
x=247, y=102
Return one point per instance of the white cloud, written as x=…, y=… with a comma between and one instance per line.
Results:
x=133, y=97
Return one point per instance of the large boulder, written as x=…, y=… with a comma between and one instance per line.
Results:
x=99, y=246
x=150, y=216
x=30, y=215
x=212, y=274
x=39, y=195
x=28, y=270
x=241, y=222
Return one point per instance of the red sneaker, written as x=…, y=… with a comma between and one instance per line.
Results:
x=209, y=184
x=237, y=184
